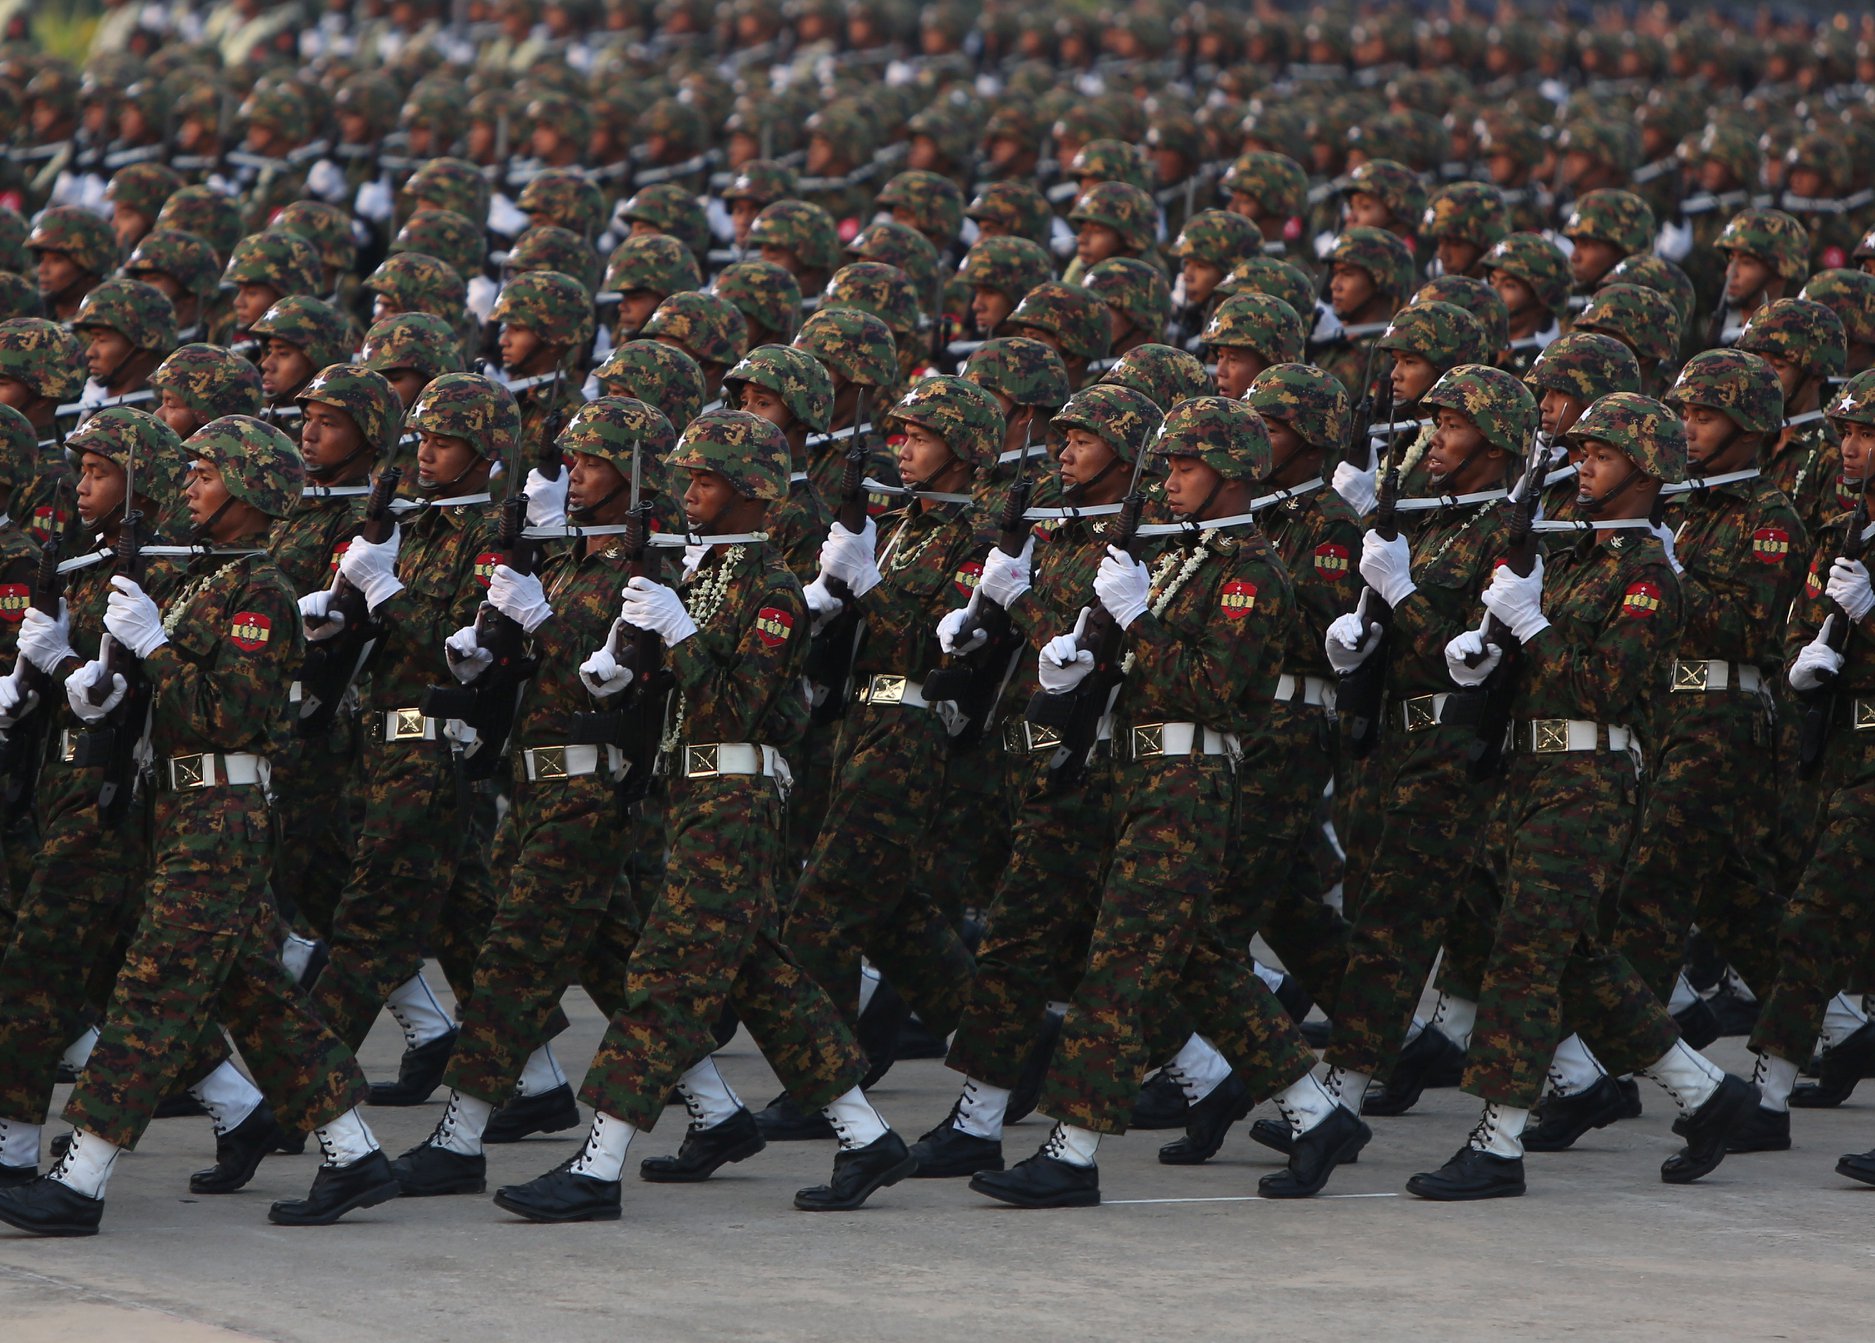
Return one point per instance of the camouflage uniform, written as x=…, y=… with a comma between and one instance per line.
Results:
x=48, y=359
x=1389, y=263
x=558, y=310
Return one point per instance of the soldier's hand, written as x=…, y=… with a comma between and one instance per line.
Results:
x=546, y=499
x=1124, y=586
x=850, y=558
x=467, y=658
x=822, y=605
x=1388, y=567
x=1356, y=486
x=1466, y=649
x=1350, y=641
x=1816, y=662
x=1005, y=577
x=133, y=619
x=518, y=597
x=78, y=691
x=1517, y=600
x=1848, y=587
x=950, y=628
x=16, y=701
x=1063, y=663
x=44, y=641
x=602, y=675
x=371, y=567
x=654, y=607
x=316, y=613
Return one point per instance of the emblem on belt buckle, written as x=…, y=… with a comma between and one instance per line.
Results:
x=1148, y=739
x=1549, y=735
x=1864, y=714
x=1689, y=676
x=888, y=690
x=700, y=761
x=1420, y=713
x=186, y=771
x=550, y=762
x=407, y=724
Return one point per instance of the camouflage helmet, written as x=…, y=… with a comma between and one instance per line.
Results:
x=1737, y=384
x=765, y=294
x=317, y=328
x=1850, y=294
x=1133, y=288
x=1163, y=373
x=1009, y=265
x=447, y=236
x=1277, y=181
x=658, y=374
x=143, y=187
x=744, y=449
x=1216, y=238
x=1538, y=262
x=1074, y=317
x=799, y=379
x=206, y=214
x=762, y=181
x=451, y=184
x=1826, y=153
x=138, y=312
x=326, y=227
x=1386, y=259
x=260, y=466
x=550, y=247
x=115, y=433
x=283, y=261
x=19, y=297
x=210, y=380
x=1585, y=365
x=43, y=355
x=1260, y=274
x=19, y=449
x=1443, y=334
x=1651, y=271
x=1017, y=206
x=419, y=341
x=1266, y=326
x=279, y=108
x=78, y=234
x=1855, y=403
x=710, y=329
x=967, y=418
x=652, y=261
x=1226, y=435
x=1026, y=371
x=555, y=307
x=1649, y=433
x=372, y=96
x=934, y=205
x=1773, y=237
x=364, y=395
x=1471, y=212
x=881, y=290
x=1611, y=142
x=1476, y=297
x=1498, y=406
x=567, y=197
x=1800, y=331
x=855, y=346
x=901, y=245
x=1732, y=146
x=669, y=208
x=619, y=430
x=798, y=227
x=1122, y=417
x=419, y=283
x=1110, y=160
x=1311, y=401
x=478, y=410
x=1394, y=185
x=948, y=132
x=1619, y=218
x=1643, y=319
x=1122, y=207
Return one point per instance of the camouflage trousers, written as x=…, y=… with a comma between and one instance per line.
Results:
x=312, y=789
x=204, y=952
x=1357, y=810
x=856, y=896
x=969, y=844
x=1568, y=820
x=710, y=939
x=1156, y=950
x=1040, y=920
x=812, y=762
x=1823, y=943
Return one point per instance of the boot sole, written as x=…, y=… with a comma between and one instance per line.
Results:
x=444, y=1188
x=1819, y=1097
x=1440, y=1194
x=899, y=1172
x=1690, y=1172
x=925, y=1172
x=1349, y=1150
x=1080, y=1198
x=368, y=1198
x=671, y=1175
x=58, y=1230
x=606, y=1214
x=1849, y=1171
x=557, y=1125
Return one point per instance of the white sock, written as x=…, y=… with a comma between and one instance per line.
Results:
x=227, y=1095
x=868, y=985
x=1454, y=1018
x=1573, y=1069
x=86, y=1165
x=603, y=1157
x=1198, y=1068
x=1075, y=1146
x=1349, y=1088
x=1841, y=1019
x=1274, y=978
x=19, y=1143
x=541, y=1073
x=418, y=1012
x=980, y=1110
x=345, y=1140
x=855, y=1121
x=1686, y=1075
x=296, y=954
x=462, y=1125
x=78, y=1053
x=1775, y=1078
x=1306, y=1103
x=1500, y=1131
x=1414, y=1031
x=1684, y=995
x=707, y=1096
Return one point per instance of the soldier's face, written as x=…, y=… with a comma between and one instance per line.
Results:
x=129, y=225
x=1504, y=169
x=783, y=257
x=1003, y=152
x=284, y=368
x=1237, y=368
x=1517, y=295
x=172, y=412
x=1602, y=470
x=1188, y=484
x=206, y=493
x=1201, y=280
x=707, y=498
x=1457, y=447
x=519, y=347
x=251, y=302
x=1789, y=374
x=923, y=456
x=1413, y=376
x=769, y=405
x=408, y=383
x=15, y=393
x=742, y=217
x=1245, y=204
x=1556, y=412
x=327, y=437
x=1084, y=456
x=1591, y=259
x=1858, y=449
x=635, y=307
x=105, y=351
x=988, y=307
x=1708, y=432
x=593, y=479
x=821, y=155
x=1350, y=289
x=156, y=279
x=100, y=488
x=442, y=460
x=1745, y=276
x=1094, y=243
x=57, y=272
x=923, y=154
x=1456, y=256
x=1366, y=210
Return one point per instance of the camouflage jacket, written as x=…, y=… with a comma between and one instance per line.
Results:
x=582, y=583
x=542, y=409
x=307, y=543
x=19, y=562
x=929, y=562
x=1738, y=546
x=43, y=504
x=1067, y=553
x=740, y=676
x=1807, y=466
x=444, y=560
x=797, y=525
x=1318, y=539
x=1454, y=552
x=1813, y=607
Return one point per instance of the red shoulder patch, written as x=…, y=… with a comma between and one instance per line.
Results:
x=1641, y=599
x=1237, y=599
x=773, y=625
x=485, y=565
x=250, y=631
x=1813, y=583
x=968, y=575
x=14, y=599
x=1331, y=561
x=1770, y=545
x=338, y=553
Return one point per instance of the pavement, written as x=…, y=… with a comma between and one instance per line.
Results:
x=1769, y=1246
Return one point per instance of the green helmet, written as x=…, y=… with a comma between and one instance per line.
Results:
x=315, y=326
x=1074, y=317
x=1309, y=400
x=1226, y=435
x=478, y=410
x=1476, y=297
x=670, y=209
x=1386, y=259
x=78, y=234
x=451, y=184
x=419, y=283
x=934, y=204
x=447, y=236
x=364, y=395
x=285, y=262
x=1472, y=212
x=1278, y=182
x=43, y=355
x=798, y=227
x=652, y=261
x=280, y=109
x=762, y=181
x=142, y=314
x=1645, y=320
x=1123, y=418
x=1498, y=406
x=370, y=95
x=555, y=307
x=1855, y=404
x=1585, y=365
x=1737, y=384
x=114, y=433
x=1266, y=326
x=1850, y=294
x=1266, y=275
x=1216, y=238
x=260, y=466
x=744, y=449
x=1656, y=272
x=1731, y=145
x=326, y=227
x=1538, y=262
x=896, y=244
x=1112, y=161
x=550, y=247
x=948, y=132
x=708, y=328
x=1619, y=218
x=766, y=295
x=1026, y=371
x=1647, y=431
x=1016, y=206
x=1802, y=331
x=1773, y=237
x=1394, y=185
x=658, y=374
x=854, y=345
x=210, y=380
x=614, y=428
x=143, y=187
x=566, y=197
x=959, y=412
x=799, y=379
x=884, y=291
x=208, y=215
x=1442, y=334
x=420, y=341
x=1165, y=374
x=1133, y=288
x=1122, y=207
x=1614, y=143
x=1009, y=265
x=19, y=297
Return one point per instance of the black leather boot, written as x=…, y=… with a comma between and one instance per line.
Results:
x=704, y=1151
x=1565, y=1119
x=562, y=1196
x=1314, y=1155
x=856, y=1173
x=1709, y=1128
x=45, y=1207
x=1469, y=1176
x=238, y=1154
x=419, y=1073
x=337, y=1190
x=549, y=1112
x=1207, y=1123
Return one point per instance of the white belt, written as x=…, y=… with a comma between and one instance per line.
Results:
x=214, y=768
x=1554, y=736
x=408, y=725
x=566, y=762
x=1315, y=690
x=295, y=693
x=1025, y=738
x=1695, y=675
x=900, y=690
x=1155, y=739
x=1422, y=711
x=707, y=759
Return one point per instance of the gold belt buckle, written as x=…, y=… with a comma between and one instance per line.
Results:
x=1549, y=735
x=68, y=746
x=887, y=690
x=700, y=761
x=406, y=724
x=1691, y=675
x=188, y=771
x=550, y=762
x=1421, y=712
x=1864, y=715
x=1148, y=740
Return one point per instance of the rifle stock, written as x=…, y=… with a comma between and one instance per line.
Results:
x=1820, y=704
x=1361, y=694
x=334, y=662
x=832, y=652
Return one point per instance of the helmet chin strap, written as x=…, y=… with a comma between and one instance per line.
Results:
x=326, y=472
x=1597, y=504
x=1701, y=466
x=435, y=485
x=1076, y=492
x=588, y=512
x=205, y=531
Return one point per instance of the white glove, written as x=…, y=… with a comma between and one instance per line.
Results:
x=1674, y=242
x=654, y=607
x=1664, y=534
x=1518, y=601
x=1816, y=661
x=44, y=641
x=1064, y=664
x=326, y=181
x=602, y=675
x=1470, y=644
x=951, y=626
x=16, y=701
x=78, y=691
x=1124, y=586
x=1356, y=486
x=1351, y=640
x=850, y=558
x=1388, y=567
x=546, y=499
x=467, y=658
x=1006, y=577
x=693, y=556
x=132, y=619
x=373, y=201
x=319, y=606
x=1327, y=326
x=822, y=605
x=371, y=568
x=1848, y=587
x=518, y=597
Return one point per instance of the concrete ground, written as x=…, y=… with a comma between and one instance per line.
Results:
x=1771, y=1246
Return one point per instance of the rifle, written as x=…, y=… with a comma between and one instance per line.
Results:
x=1361, y=692
x=831, y=654
x=117, y=742
x=1820, y=702
x=334, y=661
x=1075, y=715
x=23, y=746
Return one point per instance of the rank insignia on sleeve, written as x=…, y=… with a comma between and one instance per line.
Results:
x=773, y=625
x=250, y=631
x=485, y=565
x=1331, y=561
x=1770, y=545
x=14, y=599
x=1641, y=599
x=1237, y=599
x=1813, y=584
x=968, y=575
